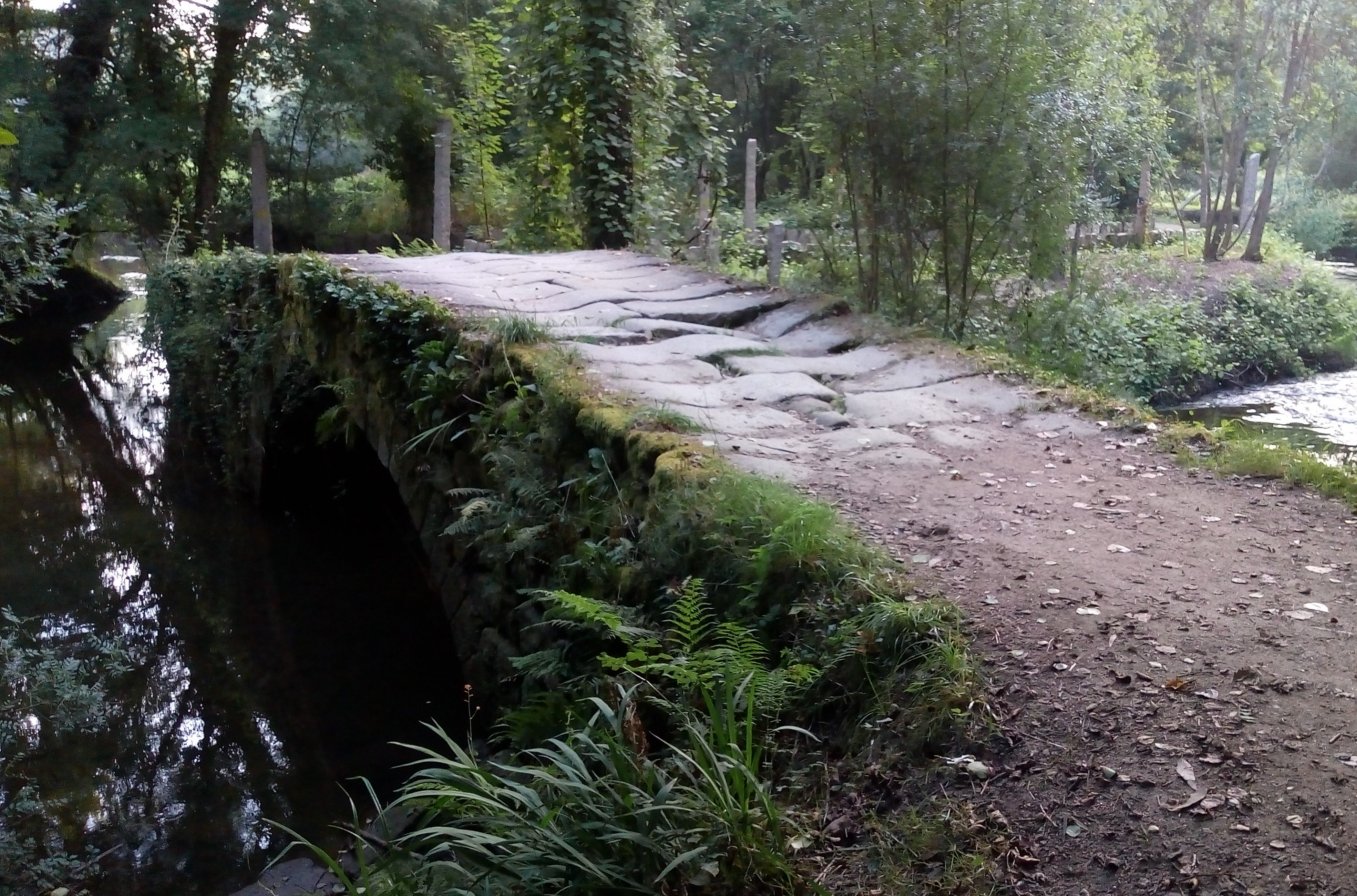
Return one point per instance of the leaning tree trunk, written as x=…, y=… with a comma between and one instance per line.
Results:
x=1302, y=42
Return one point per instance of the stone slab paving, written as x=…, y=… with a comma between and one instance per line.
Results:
x=785, y=386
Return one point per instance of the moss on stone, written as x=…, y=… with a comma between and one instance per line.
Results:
x=578, y=490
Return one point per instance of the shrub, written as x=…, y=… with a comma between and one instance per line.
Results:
x=1160, y=329
x=33, y=245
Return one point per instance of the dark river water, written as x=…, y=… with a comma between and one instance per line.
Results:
x=266, y=658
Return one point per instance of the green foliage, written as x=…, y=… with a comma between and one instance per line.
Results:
x=416, y=248
x=33, y=245
x=614, y=123
x=696, y=655
x=586, y=812
x=1319, y=220
x=7, y=138
x=969, y=136
x=480, y=116
x=218, y=337
x=1147, y=327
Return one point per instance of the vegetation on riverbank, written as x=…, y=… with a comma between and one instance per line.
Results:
x=642, y=735
x=1160, y=327
x=1235, y=449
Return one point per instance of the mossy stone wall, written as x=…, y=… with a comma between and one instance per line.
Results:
x=516, y=473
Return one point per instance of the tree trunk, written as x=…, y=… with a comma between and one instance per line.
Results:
x=77, y=78
x=1140, y=231
x=607, y=159
x=1302, y=34
x=233, y=23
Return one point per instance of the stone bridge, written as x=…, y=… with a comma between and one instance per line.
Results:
x=783, y=385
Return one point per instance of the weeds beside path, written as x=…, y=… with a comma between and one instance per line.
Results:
x=1169, y=652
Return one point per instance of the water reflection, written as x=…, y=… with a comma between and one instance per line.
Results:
x=253, y=677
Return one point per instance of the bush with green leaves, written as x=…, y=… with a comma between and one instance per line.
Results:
x=1162, y=330
x=33, y=245
x=1319, y=220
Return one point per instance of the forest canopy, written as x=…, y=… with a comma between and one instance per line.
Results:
x=932, y=146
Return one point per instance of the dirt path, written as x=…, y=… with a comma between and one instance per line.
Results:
x=1171, y=656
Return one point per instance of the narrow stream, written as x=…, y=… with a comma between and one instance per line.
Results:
x=267, y=658
x=1319, y=414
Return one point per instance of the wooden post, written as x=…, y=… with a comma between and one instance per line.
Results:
x=259, y=193
x=751, y=172
x=1140, y=230
x=442, y=185
x=776, y=233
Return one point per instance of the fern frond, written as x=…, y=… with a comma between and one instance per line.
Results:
x=691, y=620
x=542, y=665
x=613, y=619
x=526, y=538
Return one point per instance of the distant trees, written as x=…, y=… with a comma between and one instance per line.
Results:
x=941, y=144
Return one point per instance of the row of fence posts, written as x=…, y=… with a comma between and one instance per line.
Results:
x=708, y=234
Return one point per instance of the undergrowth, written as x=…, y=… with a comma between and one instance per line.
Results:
x=1234, y=449
x=1157, y=327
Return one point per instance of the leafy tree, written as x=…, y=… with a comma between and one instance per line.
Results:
x=969, y=135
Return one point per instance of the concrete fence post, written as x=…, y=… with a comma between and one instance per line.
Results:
x=442, y=185
x=751, y=172
x=259, y=193
x=776, y=234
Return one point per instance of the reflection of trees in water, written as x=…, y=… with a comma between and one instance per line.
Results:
x=184, y=762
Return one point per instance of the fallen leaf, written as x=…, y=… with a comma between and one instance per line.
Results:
x=1118, y=549
x=1164, y=648
x=1299, y=614
x=1317, y=607
x=1089, y=611
x=1178, y=684
x=1295, y=821
x=1277, y=844
x=1185, y=772
x=1188, y=803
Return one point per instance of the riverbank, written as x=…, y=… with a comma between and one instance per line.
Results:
x=1167, y=653
x=1161, y=326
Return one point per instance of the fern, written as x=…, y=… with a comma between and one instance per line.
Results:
x=691, y=619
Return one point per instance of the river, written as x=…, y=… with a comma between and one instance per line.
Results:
x=1319, y=414
x=264, y=658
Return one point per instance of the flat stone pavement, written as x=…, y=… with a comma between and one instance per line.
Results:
x=784, y=386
